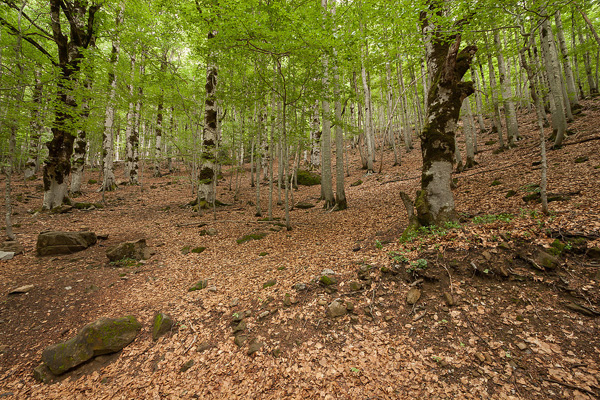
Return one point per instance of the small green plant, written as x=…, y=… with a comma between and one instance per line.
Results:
x=354, y=369
x=490, y=218
x=496, y=182
x=397, y=257
x=418, y=265
x=252, y=236
x=437, y=359
x=378, y=244
x=125, y=262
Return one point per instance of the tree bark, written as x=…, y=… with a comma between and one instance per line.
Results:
x=446, y=67
x=70, y=54
x=510, y=114
x=570, y=80
x=208, y=168
x=31, y=165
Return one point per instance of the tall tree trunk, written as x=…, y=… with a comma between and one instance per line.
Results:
x=208, y=168
x=510, y=114
x=315, y=138
x=159, y=120
x=130, y=122
x=369, y=134
x=468, y=129
x=108, y=182
x=570, y=80
x=496, y=118
x=340, y=193
x=446, y=67
x=478, y=102
x=326, y=177
x=31, y=165
x=79, y=150
x=559, y=121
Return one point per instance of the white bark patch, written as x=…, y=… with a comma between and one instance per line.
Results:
x=438, y=190
x=55, y=196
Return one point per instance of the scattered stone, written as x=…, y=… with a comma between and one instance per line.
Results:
x=162, y=324
x=201, y=284
x=254, y=347
x=102, y=236
x=581, y=159
x=336, y=309
x=6, y=255
x=212, y=289
x=252, y=236
x=103, y=336
x=449, y=299
x=322, y=302
x=198, y=250
x=238, y=316
x=12, y=246
x=480, y=357
x=208, y=232
x=327, y=271
x=240, y=327
x=135, y=250
x=364, y=272
x=307, y=178
x=239, y=340
x=503, y=272
x=354, y=319
x=356, y=248
x=276, y=352
x=356, y=183
x=54, y=242
x=413, y=296
x=234, y=302
x=21, y=289
x=286, y=300
x=186, y=366
x=269, y=283
x=327, y=280
x=203, y=347
x=304, y=205
x=300, y=287
x=42, y=374
x=546, y=260
x=355, y=286
x=349, y=306
x=522, y=346
x=263, y=314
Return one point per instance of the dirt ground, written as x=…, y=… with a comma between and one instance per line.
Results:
x=489, y=322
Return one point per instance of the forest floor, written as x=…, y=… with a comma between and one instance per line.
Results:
x=488, y=323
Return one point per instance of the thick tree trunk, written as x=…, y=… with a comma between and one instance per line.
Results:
x=70, y=53
x=326, y=178
x=446, y=67
x=369, y=134
x=478, y=102
x=469, y=130
x=340, y=193
x=208, y=168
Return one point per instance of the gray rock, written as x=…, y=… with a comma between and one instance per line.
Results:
x=241, y=326
x=413, y=296
x=12, y=246
x=269, y=283
x=355, y=286
x=135, y=250
x=49, y=243
x=186, y=366
x=327, y=280
x=305, y=205
x=239, y=340
x=336, y=309
x=104, y=336
x=6, y=255
x=263, y=314
x=300, y=287
x=327, y=271
x=254, y=347
x=161, y=325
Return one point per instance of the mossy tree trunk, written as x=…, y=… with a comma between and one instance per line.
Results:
x=447, y=65
x=70, y=54
x=208, y=168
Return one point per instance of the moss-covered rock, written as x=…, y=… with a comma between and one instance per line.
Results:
x=106, y=335
x=201, y=284
x=198, y=250
x=356, y=183
x=307, y=178
x=269, y=283
x=327, y=280
x=135, y=250
x=251, y=236
x=162, y=324
x=53, y=242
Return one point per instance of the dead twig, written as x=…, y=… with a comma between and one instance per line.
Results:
x=571, y=386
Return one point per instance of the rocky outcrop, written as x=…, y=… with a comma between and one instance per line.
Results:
x=53, y=242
